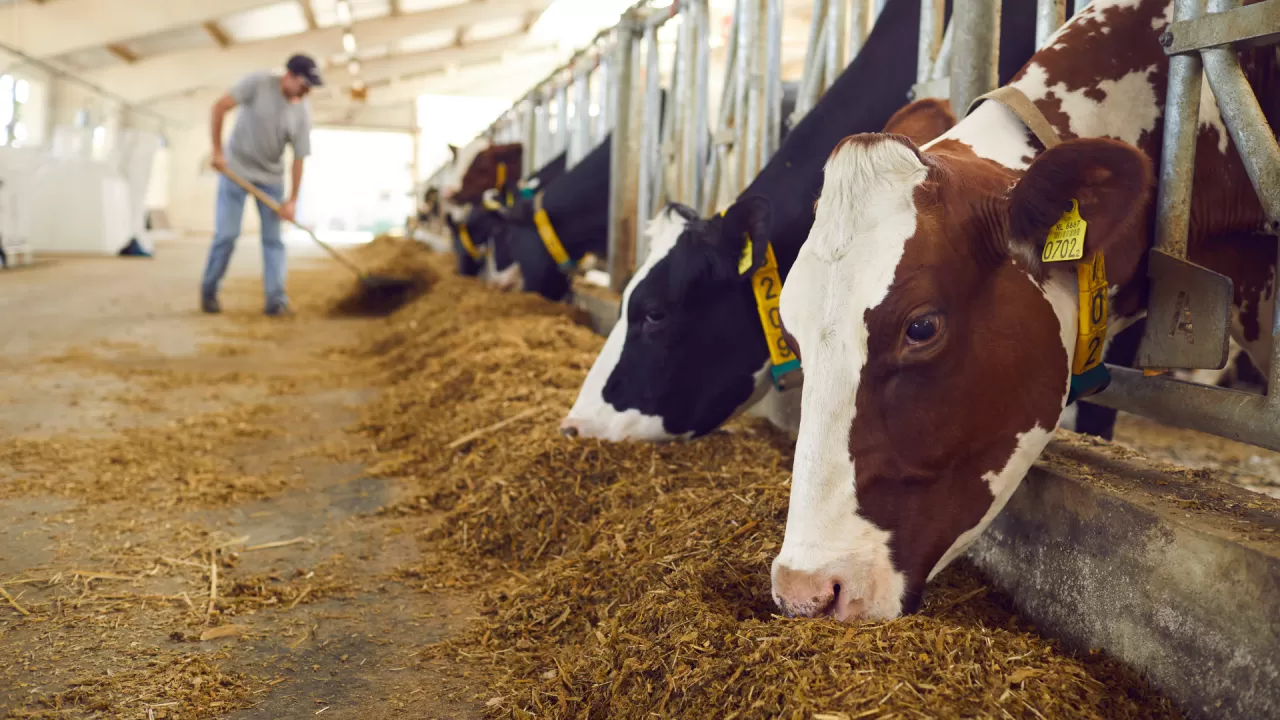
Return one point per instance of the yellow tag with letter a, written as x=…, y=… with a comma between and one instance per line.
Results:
x=1066, y=237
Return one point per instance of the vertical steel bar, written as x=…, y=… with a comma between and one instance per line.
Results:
x=975, y=55
x=811, y=84
x=862, y=15
x=773, y=81
x=755, y=97
x=717, y=166
x=931, y=25
x=836, y=26
x=622, y=181
x=1178, y=154
x=942, y=63
x=741, y=93
x=649, y=132
x=701, y=93
x=562, y=119
x=680, y=132
x=1050, y=14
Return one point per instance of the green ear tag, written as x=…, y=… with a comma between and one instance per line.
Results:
x=1066, y=237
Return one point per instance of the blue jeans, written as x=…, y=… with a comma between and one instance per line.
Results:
x=230, y=210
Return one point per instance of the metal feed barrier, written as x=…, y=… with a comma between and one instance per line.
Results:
x=689, y=159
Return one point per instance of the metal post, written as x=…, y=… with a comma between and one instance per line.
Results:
x=975, y=55
x=1247, y=125
x=622, y=183
x=1050, y=14
x=811, y=81
x=742, y=95
x=545, y=140
x=650, y=133
x=530, y=137
x=931, y=24
x=717, y=166
x=696, y=145
x=862, y=16
x=581, y=137
x=1181, y=125
x=562, y=120
x=773, y=81
x=755, y=96
x=836, y=25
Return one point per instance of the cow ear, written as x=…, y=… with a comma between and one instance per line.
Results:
x=747, y=219
x=922, y=121
x=453, y=150
x=1109, y=181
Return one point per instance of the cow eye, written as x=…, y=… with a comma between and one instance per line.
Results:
x=653, y=318
x=923, y=328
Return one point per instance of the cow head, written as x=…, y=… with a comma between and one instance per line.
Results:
x=688, y=351
x=708, y=360
x=937, y=350
x=485, y=172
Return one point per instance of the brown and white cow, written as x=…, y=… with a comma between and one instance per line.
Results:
x=938, y=346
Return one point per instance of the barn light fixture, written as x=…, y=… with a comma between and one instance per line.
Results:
x=344, y=12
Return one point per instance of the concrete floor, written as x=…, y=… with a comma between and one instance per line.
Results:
x=131, y=351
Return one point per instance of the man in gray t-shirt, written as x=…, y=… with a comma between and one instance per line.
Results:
x=274, y=112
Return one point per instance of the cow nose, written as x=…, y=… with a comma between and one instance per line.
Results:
x=810, y=594
x=569, y=428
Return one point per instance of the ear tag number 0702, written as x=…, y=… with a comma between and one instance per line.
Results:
x=1066, y=237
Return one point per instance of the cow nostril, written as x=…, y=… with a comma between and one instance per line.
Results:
x=569, y=431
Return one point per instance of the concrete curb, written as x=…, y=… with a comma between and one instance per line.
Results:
x=1169, y=570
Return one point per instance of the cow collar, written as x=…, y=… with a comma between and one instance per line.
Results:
x=766, y=286
x=465, y=236
x=1089, y=375
x=550, y=240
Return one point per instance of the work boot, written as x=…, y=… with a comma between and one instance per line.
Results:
x=209, y=304
x=279, y=309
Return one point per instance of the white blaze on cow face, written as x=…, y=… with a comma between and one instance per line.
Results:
x=592, y=415
x=834, y=561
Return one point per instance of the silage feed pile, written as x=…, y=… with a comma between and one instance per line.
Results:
x=632, y=580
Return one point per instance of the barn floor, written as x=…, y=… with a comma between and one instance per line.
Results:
x=114, y=569
x=190, y=525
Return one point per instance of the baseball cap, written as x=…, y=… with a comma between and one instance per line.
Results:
x=304, y=67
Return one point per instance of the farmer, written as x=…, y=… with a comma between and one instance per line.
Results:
x=273, y=111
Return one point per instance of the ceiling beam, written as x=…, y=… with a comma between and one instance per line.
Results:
x=52, y=29
x=123, y=53
x=391, y=67
x=309, y=13
x=218, y=34
x=497, y=79
x=154, y=77
x=395, y=7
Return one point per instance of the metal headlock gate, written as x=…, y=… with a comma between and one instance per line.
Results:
x=691, y=159
x=1189, y=306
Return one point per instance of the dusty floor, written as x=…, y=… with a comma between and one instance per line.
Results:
x=123, y=564
x=185, y=530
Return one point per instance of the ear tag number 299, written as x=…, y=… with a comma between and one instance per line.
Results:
x=1066, y=237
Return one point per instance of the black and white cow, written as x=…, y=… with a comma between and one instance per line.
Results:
x=688, y=351
x=577, y=207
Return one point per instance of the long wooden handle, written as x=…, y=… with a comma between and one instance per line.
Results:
x=270, y=202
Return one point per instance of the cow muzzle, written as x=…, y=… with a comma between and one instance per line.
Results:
x=844, y=591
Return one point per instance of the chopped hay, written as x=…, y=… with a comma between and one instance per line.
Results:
x=626, y=580
x=396, y=274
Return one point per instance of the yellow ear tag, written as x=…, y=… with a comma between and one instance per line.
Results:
x=1066, y=237
x=744, y=262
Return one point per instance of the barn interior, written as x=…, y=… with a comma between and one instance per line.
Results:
x=362, y=502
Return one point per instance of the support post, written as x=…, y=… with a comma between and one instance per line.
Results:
x=622, y=185
x=975, y=51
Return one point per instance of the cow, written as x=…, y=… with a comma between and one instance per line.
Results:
x=496, y=167
x=941, y=338
x=487, y=224
x=576, y=206
x=689, y=350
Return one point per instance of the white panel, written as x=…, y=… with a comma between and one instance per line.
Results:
x=494, y=28
x=434, y=40
x=282, y=18
x=172, y=41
